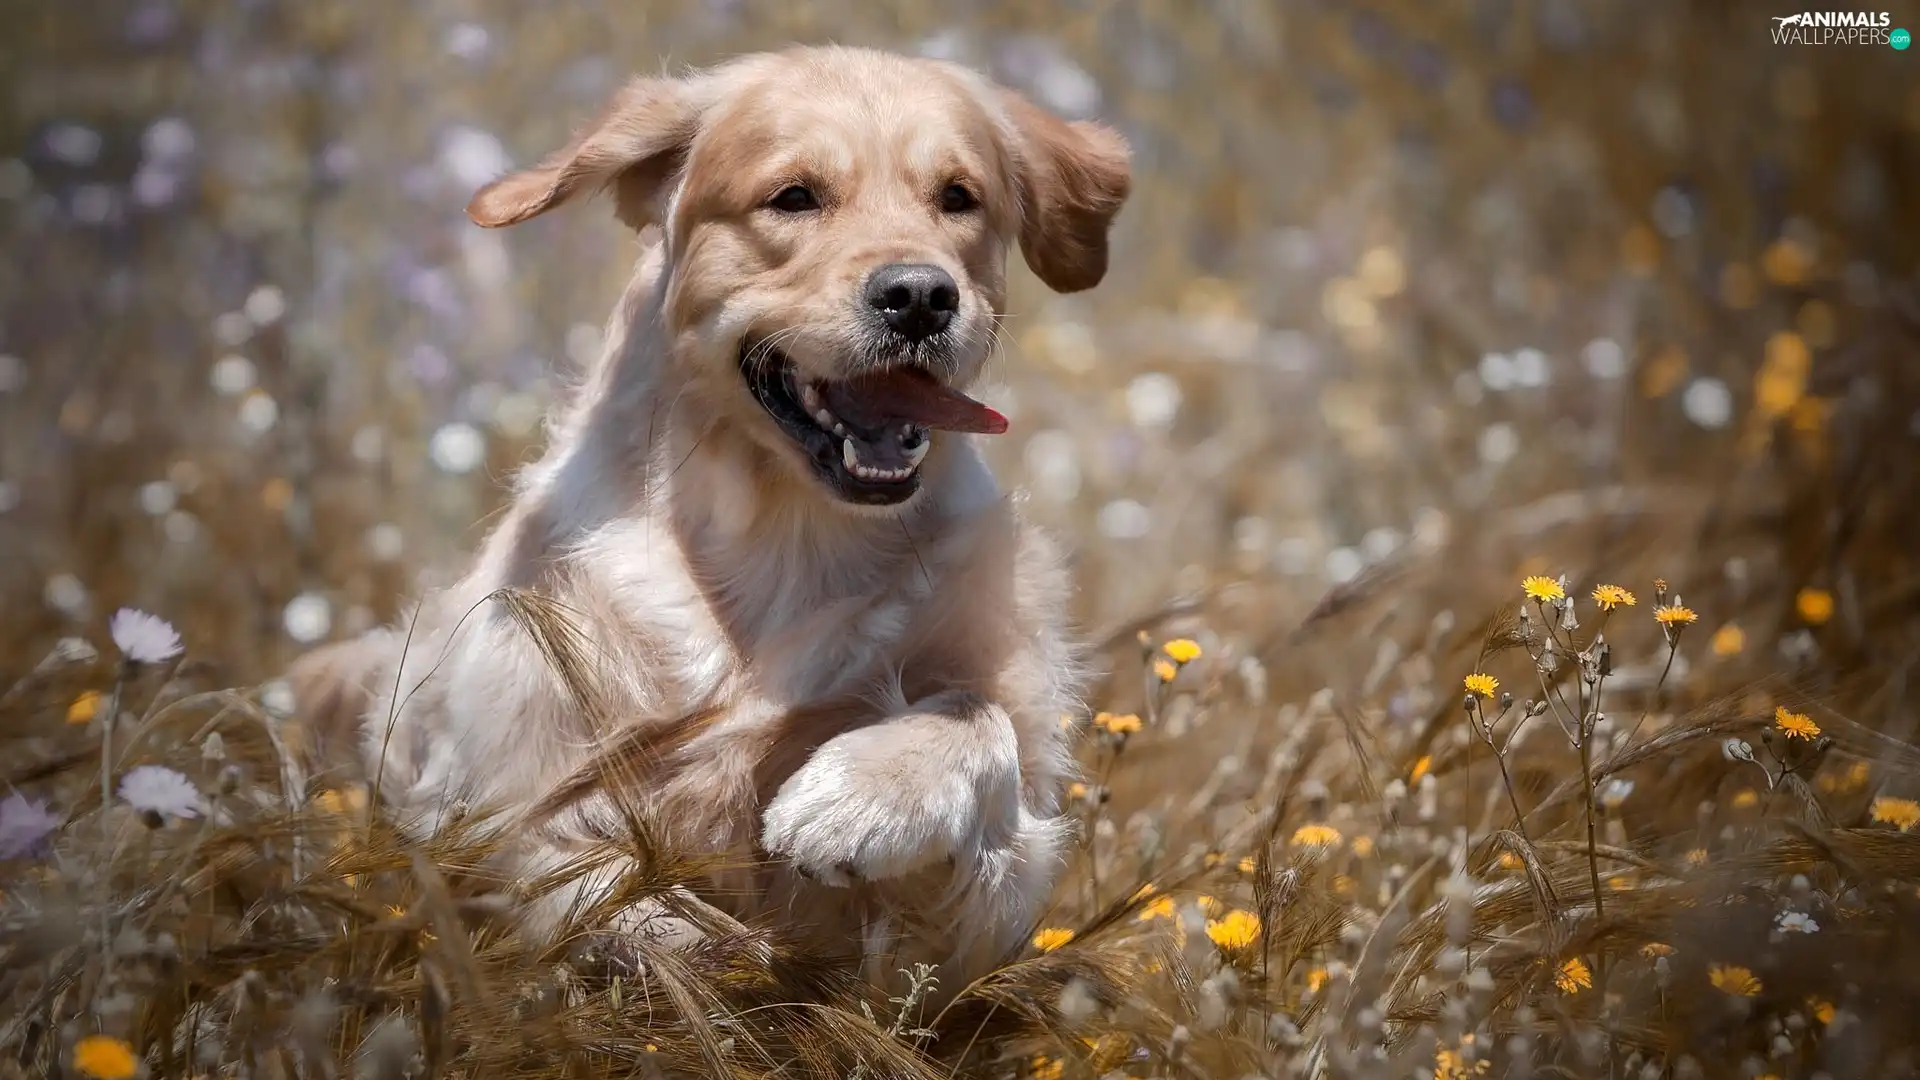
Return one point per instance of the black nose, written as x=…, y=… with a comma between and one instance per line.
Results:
x=917, y=300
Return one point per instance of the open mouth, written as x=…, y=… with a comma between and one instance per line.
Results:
x=865, y=436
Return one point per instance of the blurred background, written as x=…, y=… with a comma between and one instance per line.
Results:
x=1394, y=275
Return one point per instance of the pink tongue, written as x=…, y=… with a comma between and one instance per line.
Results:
x=873, y=402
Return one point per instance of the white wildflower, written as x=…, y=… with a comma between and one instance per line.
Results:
x=1795, y=922
x=158, y=790
x=457, y=448
x=24, y=825
x=1707, y=402
x=144, y=638
x=277, y=698
x=265, y=305
x=259, y=412
x=1615, y=792
x=308, y=618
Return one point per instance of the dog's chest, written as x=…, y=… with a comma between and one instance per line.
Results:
x=813, y=634
x=792, y=625
x=838, y=645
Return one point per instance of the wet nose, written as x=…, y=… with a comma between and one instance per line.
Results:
x=917, y=300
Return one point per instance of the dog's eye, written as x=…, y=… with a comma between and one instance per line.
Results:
x=794, y=200
x=956, y=199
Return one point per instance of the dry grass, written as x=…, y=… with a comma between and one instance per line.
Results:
x=1344, y=876
x=1303, y=853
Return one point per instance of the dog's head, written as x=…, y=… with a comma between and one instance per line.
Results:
x=838, y=223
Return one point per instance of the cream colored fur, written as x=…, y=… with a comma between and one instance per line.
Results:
x=859, y=707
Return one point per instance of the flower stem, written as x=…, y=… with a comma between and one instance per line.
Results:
x=106, y=819
x=1593, y=858
x=1673, y=650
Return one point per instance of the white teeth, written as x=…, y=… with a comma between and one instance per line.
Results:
x=918, y=453
x=816, y=407
x=851, y=459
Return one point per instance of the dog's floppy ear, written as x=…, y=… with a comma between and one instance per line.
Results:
x=1072, y=177
x=635, y=146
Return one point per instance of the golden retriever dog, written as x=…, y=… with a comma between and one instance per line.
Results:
x=761, y=584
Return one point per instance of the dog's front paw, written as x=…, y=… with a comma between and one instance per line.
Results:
x=886, y=800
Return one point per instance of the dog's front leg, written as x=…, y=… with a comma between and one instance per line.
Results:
x=938, y=780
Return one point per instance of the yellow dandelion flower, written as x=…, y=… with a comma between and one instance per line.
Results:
x=1052, y=938
x=1734, y=979
x=1746, y=799
x=1675, y=616
x=84, y=707
x=1640, y=251
x=1117, y=724
x=1573, y=976
x=1729, y=640
x=1697, y=857
x=1316, y=979
x=105, y=1058
x=1160, y=908
x=1815, y=606
x=653, y=1048
x=1420, y=769
x=276, y=494
x=1481, y=685
x=1796, y=725
x=1344, y=885
x=1235, y=930
x=1316, y=835
x=1363, y=846
x=1822, y=1010
x=1108, y=1049
x=1213, y=860
x=1612, y=596
x=1247, y=864
x=1654, y=950
x=1853, y=778
x=1165, y=670
x=1182, y=650
x=1902, y=814
x=1543, y=589
x=1143, y=892
x=1451, y=1064
x=1076, y=790
x=1046, y=1068
x=1510, y=861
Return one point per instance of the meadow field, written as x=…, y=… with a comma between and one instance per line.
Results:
x=1490, y=472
